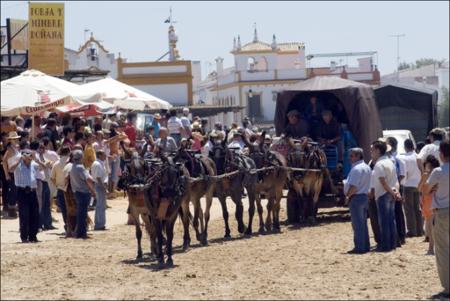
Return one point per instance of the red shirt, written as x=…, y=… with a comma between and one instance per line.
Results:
x=68, y=143
x=130, y=131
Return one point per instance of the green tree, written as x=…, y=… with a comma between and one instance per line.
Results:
x=443, y=109
x=404, y=66
x=428, y=61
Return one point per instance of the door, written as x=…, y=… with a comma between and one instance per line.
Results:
x=254, y=107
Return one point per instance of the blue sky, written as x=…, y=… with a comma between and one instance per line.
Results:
x=206, y=29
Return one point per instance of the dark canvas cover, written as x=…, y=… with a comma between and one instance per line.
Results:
x=357, y=99
x=407, y=107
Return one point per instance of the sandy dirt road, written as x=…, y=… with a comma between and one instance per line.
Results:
x=305, y=263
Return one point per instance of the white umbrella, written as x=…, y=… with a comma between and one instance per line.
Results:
x=33, y=92
x=125, y=96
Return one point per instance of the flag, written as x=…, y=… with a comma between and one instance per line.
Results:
x=167, y=21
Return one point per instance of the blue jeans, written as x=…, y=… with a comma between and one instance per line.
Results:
x=46, y=215
x=386, y=220
x=100, y=207
x=82, y=199
x=62, y=204
x=114, y=165
x=177, y=138
x=359, y=206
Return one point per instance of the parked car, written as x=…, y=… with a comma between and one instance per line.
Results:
x=401, y=136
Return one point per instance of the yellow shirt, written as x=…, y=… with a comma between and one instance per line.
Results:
x=88, y=156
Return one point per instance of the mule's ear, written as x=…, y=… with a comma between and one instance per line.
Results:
x=263, y=136
x=291, y=142
x=246, y=142
x=224, y=142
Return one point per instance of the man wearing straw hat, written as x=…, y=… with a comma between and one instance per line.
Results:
x=11, y=157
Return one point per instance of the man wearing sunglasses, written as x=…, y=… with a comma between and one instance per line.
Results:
x=25, y=171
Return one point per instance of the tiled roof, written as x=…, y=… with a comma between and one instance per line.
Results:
x=262, y=46
x=256, y=46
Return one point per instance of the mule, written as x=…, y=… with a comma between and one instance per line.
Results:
x=307, y=184
x=201, y=168
x=270, y=184
x=228, y=161
x=134, y=176
x=171, y=183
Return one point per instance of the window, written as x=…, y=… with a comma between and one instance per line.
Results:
x=251, y=64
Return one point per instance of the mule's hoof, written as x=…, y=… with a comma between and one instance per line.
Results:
x=276, y=230
x=185, y=247
x=262, y=231
x=312, y=221
x=161, y=264
x=248, y=232
x=268, y=228
x=169, y=263
x=227, y=235
x=241, y=229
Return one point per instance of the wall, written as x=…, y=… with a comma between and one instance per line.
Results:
x=171, y=81
x=268, y=102
x=174, y=93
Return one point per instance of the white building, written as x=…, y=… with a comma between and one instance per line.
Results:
x=261, y=70
x=432, y=76
x=92, y=61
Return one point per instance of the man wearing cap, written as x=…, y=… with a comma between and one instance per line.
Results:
x=156, y=125
x=238, y=141
x=25, y=171
x=435, y=135
x=297, y=127
x=82, y=187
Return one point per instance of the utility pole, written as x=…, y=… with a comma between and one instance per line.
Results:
x=398, y=36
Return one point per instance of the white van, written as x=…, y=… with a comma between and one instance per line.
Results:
x=401, y=136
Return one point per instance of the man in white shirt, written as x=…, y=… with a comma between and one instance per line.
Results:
x=386, y=187
x=438, y=185
x=186, y=123
x=237, y=141
x=175, y=127
x=400, y=222
x=410, y=191
x=100, y=176
x=58, y=178
x=436, y=136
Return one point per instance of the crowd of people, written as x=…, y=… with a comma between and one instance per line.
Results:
x=67, y=158
x=402, y=193
x=80, y=162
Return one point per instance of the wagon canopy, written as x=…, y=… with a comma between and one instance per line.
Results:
x=407, y=107
x=357, y=100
